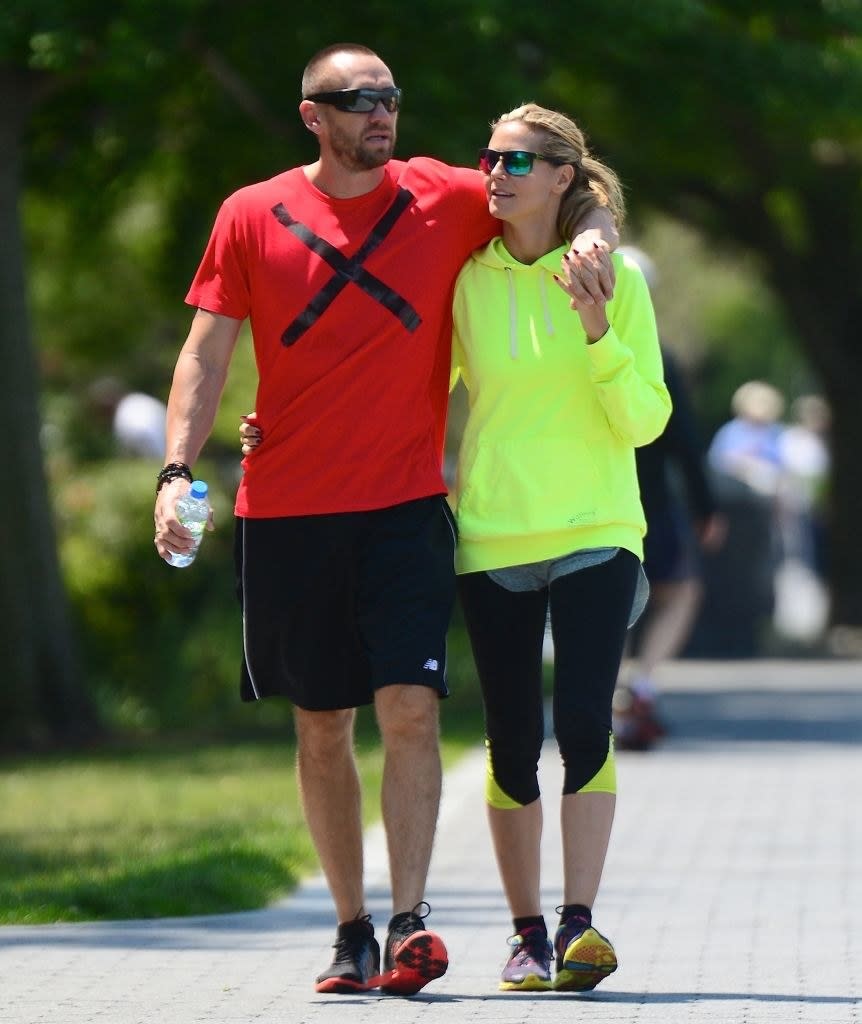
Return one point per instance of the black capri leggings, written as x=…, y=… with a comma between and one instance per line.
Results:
x=589, y=616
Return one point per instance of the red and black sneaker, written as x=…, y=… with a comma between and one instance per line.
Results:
x=357, y=959
x=413, y=957
x=636, y=725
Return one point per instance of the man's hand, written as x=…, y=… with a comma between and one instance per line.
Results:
x=171, y=536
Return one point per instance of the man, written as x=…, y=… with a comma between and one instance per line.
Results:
x=344, y=546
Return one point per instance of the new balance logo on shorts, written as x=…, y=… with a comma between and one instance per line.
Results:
x=431, y=664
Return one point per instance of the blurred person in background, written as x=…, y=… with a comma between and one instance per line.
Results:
x=682, y=518
x=804, y=450
x=748, y=447
x=137, y=419
x=745, y=458
x=801, y=592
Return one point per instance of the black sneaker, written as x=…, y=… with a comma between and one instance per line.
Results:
x=414, y=956
x=357, y=958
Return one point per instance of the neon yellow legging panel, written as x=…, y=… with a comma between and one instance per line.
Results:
x=604, y=781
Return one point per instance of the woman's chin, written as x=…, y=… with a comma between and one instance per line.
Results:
x=496, y=210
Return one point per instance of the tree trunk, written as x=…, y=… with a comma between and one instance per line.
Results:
x=845, y=518
x=43, y=700
x=820, y=292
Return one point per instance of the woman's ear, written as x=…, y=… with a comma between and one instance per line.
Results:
x=565, y=176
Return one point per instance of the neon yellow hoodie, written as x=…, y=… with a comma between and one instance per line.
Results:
x=546, y=464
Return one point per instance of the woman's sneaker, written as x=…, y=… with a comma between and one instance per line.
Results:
x=357, y=958
x=584, y=956
x=529, y=966
x=413, y=956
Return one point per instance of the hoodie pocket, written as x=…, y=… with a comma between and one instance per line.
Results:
x=530, y=486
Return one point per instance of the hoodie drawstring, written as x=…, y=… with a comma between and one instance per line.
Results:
x=513, y=310
x=513, y=316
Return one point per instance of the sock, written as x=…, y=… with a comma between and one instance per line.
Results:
x=577, y=910
x=522, y=923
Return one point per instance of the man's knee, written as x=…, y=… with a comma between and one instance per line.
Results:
x=322, y=735
x=407, y=714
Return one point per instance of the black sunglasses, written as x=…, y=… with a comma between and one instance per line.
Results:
x=516, y=162
x=360, y=101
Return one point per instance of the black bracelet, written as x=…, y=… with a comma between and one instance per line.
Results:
x=173, y=471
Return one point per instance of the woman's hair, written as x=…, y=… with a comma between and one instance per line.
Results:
x=593, y=185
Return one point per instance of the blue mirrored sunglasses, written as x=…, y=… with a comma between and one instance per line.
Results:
x=517, y=162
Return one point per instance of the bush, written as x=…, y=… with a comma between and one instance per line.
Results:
x=161, y=646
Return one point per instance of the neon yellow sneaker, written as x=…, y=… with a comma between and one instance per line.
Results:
x=584, y=957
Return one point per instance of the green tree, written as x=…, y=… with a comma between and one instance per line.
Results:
x=743, y=123
x=100, y=111
x=51, y=55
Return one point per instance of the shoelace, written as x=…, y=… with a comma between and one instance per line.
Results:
x=406, y=922
x=347, y=946
x=531, y=944
x=416, y=910
x=344, y=951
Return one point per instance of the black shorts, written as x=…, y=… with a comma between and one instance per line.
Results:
x=337, y=606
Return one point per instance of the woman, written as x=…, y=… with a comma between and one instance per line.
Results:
x=549, y=518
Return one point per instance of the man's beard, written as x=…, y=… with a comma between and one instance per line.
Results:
x=357, y=156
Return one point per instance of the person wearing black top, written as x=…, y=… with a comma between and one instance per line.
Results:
x=682, y=517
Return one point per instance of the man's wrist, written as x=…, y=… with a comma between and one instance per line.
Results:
x=173, y=471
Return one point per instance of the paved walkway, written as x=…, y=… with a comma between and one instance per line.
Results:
x=733, y=892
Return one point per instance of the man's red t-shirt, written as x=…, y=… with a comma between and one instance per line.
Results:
x=351, y=328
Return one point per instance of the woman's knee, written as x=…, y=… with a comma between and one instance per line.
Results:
x=587, y=753
x=512, y=771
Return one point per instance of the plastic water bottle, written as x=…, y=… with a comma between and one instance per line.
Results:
x=193, y=511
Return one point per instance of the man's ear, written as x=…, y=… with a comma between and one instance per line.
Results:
x=308, y=113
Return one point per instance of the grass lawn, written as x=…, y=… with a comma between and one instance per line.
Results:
x=167, y=830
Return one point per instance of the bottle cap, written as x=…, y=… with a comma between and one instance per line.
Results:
x=198, y=490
